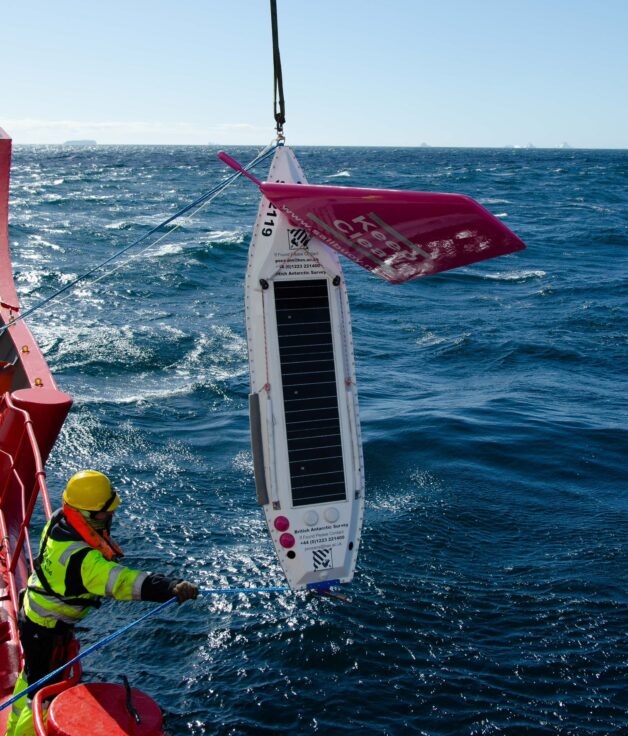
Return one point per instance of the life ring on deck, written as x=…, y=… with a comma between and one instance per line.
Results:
x=101, y=709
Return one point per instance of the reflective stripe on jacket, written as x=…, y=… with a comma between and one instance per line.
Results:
x=98, y=578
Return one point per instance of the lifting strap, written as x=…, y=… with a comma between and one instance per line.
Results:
x=280, y=112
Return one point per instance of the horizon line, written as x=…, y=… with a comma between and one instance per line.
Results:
x=89, y=144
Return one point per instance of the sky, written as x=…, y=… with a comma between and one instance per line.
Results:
x=356, y=72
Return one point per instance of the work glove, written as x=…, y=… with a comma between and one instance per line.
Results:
x=184, y=591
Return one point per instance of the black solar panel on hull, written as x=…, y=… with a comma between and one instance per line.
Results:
x=306, y=356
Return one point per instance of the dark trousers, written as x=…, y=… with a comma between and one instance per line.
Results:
x=44, y=649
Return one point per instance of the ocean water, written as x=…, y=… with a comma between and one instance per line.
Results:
x=491, y=589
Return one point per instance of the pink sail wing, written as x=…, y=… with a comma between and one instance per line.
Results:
x=8, y=295
x=395, y=234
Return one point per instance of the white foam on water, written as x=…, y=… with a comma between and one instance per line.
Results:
x=514, y=275
x=225, y=236
x=120, y=225
x=430, y=340
x=78, y=345
x=35, y=277
x=243, y=462
x=213, y=361
x=65, y=278
x=165, y=249
x=121, y=397
x=38, y=241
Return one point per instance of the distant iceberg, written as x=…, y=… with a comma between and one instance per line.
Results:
x=81, y=142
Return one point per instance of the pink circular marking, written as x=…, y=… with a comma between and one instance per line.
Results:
x=286, y=540
x=282, y=523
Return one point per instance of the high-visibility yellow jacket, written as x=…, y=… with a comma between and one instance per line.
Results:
x=77, y=576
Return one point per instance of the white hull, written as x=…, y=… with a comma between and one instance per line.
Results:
x=305, y=424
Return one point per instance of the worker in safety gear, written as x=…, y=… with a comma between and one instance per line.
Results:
x=78, y=564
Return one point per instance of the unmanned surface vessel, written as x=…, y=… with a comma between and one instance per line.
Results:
x=305, y=428
x=305, y=425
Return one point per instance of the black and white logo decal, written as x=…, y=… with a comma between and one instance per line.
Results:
x=322, y=559
x=297, y=239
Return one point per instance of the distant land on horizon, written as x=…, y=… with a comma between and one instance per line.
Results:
x=81, y=142
x=86, y=142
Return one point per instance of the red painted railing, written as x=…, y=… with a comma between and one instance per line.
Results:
x=22, y=482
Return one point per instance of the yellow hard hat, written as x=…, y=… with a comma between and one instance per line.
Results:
x=90, y=490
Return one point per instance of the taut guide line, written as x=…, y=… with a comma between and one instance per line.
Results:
x=108, y=639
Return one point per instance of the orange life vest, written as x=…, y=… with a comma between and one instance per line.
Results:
x=102, y=542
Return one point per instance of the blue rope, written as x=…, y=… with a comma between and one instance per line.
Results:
x=103, y=642
x=203, y=198
x=89, y=650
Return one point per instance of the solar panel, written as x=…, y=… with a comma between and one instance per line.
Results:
x=306, y=355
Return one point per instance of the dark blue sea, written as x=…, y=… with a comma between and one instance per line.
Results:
x=491, y=590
